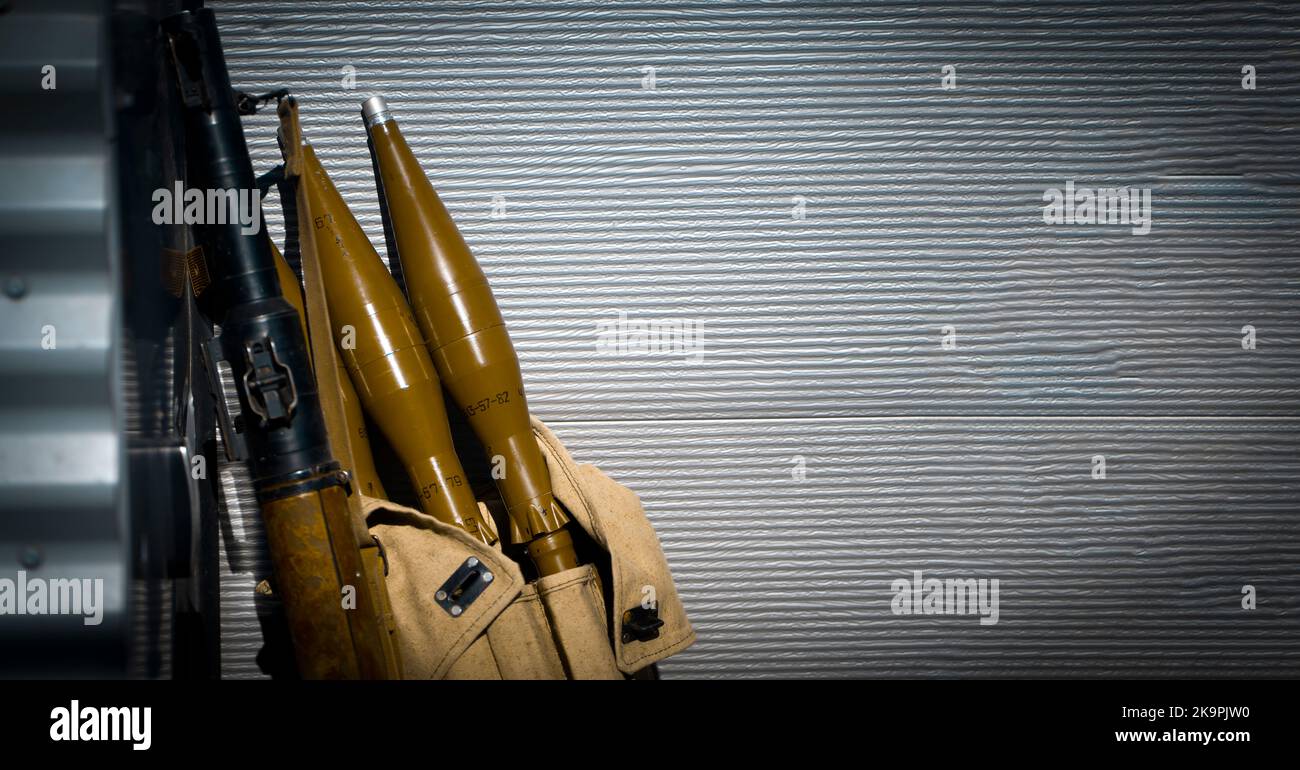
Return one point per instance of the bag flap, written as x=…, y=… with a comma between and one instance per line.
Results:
x=614, y=517
x=422, y=554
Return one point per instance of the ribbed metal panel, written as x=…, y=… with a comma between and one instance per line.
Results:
x=586, y=194
x=63, y=490
x=1140, y=573
x=245, y=560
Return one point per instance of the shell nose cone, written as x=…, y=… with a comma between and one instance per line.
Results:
x=374, y=110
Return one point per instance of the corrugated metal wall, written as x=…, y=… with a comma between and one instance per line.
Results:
x=795, y=177
x=63, y=420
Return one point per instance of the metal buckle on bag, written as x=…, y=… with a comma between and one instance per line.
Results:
x=464, y=586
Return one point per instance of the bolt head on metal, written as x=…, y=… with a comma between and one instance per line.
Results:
x=456, y=611
x=441, y=596
x=472, y=562
x=30, y=556
x=488, y=577
x=15, y=287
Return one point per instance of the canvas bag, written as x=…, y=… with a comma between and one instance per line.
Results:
x=555, y=628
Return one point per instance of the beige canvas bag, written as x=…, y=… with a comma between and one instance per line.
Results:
x=555, y=628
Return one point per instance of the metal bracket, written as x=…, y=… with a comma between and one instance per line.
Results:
x=268, y=383
x=464, y=586
x=187, y=66
x=641, y=624
x=233, y=439
x=249, y=104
